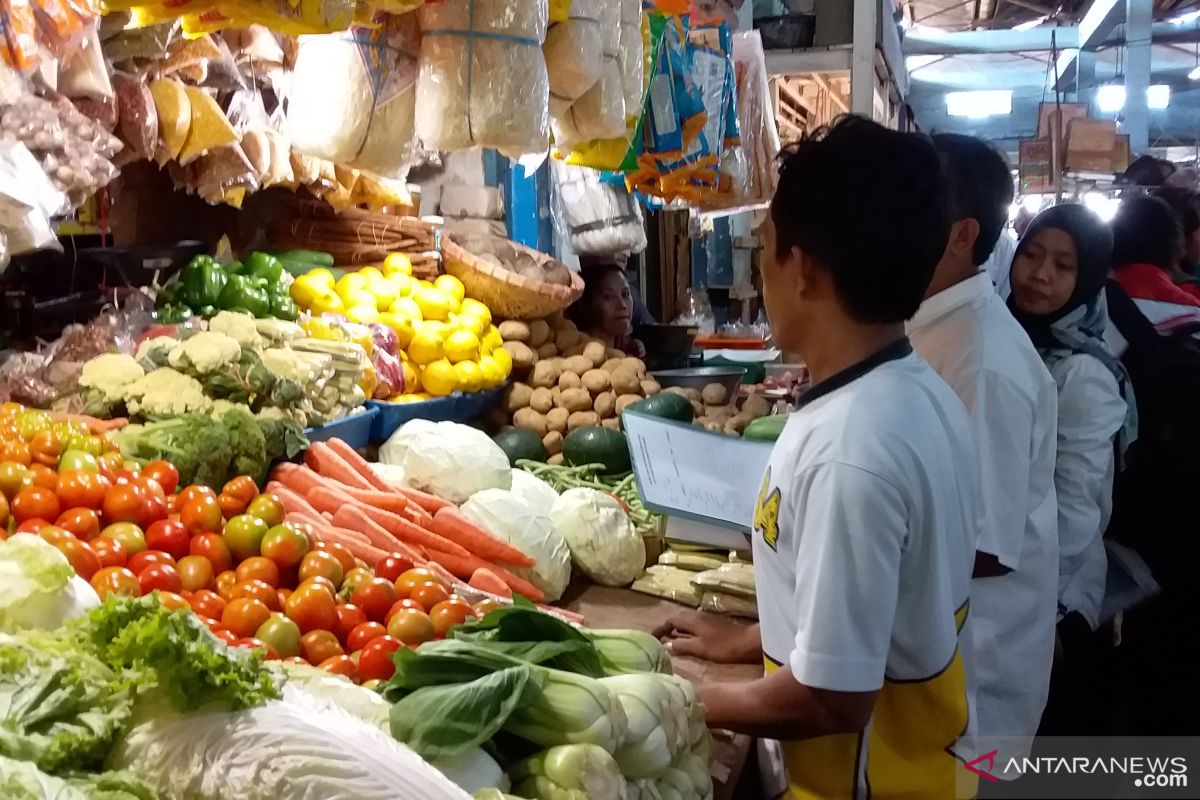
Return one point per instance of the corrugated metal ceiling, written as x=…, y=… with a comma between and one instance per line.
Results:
x=960, y=15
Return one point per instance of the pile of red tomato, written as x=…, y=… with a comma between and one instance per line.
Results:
x=255, y=580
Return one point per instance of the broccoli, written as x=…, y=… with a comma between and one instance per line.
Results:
x=285, y=438
x=197, y=445
x=248, y=444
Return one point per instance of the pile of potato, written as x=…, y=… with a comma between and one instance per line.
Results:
x=716, y=411
x=563, y=380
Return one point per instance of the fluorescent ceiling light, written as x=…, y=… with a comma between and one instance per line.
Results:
x=1030, y=24
x=977, y=105
x=1184, y=19
x=1101, y=205
x=1110, y=98
x=1194, y=75
x=1158, y=96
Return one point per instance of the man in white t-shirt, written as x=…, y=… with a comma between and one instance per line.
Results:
x=866, y=523
x=970, y=338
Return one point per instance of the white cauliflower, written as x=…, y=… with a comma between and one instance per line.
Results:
x=148, y=345
x=205, y=352
x=110, y=374
x=278, y=330
x=239, y=327
x=303, y=368
x=166, y=393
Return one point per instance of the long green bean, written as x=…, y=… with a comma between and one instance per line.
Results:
x=590, y=476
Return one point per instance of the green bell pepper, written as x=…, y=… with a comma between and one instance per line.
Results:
x=283, y=307
x=206, y=311
x=170, y=294
x=203, y=282
x=173, y=314
x=264, y=265
x=242, y=292
x=235, y=268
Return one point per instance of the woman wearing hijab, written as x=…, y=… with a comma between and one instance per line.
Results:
x=1058, y=280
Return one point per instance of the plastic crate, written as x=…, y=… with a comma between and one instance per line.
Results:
x=354, y=430
x=457, y=407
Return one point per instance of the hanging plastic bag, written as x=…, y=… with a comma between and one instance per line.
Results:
x=28, y=200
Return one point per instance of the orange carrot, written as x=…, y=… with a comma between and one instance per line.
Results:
x=430, y=502
x=300, y=479
x=327, y=463
x=352, y=517
x=292, y=501
x=358, y=464
x=452, y=524
x=93, y=424
x=391, y=501
x=465, y=566
x=326, y=499
x=444, y=574
x=487, y=581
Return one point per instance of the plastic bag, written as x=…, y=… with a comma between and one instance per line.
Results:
x=137, y=116
x=85, y=74
x=721, y=603
x=28, y=200
x=598, y=216
x=389, y=375
x=574, y=51
x=670, y=583
x=598, y=113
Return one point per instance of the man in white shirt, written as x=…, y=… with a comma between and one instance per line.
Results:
x=970, y=338
x=866, y=522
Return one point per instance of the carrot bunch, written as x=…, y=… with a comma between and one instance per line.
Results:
x=341, y=498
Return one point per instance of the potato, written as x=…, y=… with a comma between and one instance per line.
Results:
x=569, y=380
x=512, y=330
x=612, y=365
x=650, y=387
x=556, y=460
x=522, y=356
x=577, y=364
x=612, y=422
x=638, y=366
x=583, y=419
x=625, y=381
x=757, y=406
x=553, y=441
x=556, y=393
x=594, y=351
x=606, y=404
x=556, y=419
x=626, y=400
x=567, y=338
x=545, y=373
x=575, y=350
x=517, y=397
x=712, y=425
x=685, y=391
x=715, y=394
x=596, y=381
x=530, y=420
x=714, y=413
x=697, y=408
x=575, y=400
x=539, y=333
x=737, y=423
x=541, y=400
x=547, y=350
x=613, y=352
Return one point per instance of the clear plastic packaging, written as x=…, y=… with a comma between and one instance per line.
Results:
x=632, y=56
x=721, y=603
x=84, y=73
x=482, y=78
x=759, y=136
x=599, y=113
x=574, y=51
x=137, y=117
x=598, y=217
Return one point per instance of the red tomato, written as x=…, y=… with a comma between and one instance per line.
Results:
x=312, y=608
x=196, y=573
x=35, y=502
x=225, y=635
x=115, y=580
x=46, y=447
x=251, y=643
x=201, y=515
x=231, y=505
x=150, y=486
x=172, y=601
x=43, y=476
x=343, y=555
x=319, y=646
x=375, y=663
x=82, y=557
x=321, y=564
x=125, y=503
x=281, y=634
x=430, y=594
x=259, y=568
x=169, y=536
x=413, y=578
x=139, y=561
x=11, y=476
x=340, y=665
x=83, y=522
x=55, y=535
x=154, y=501
x=283, y=595
x=128, y=534
x=196, y=492
x=285, y=545
x=244, y=534
x=486, y=606
x=268, y=508
x=244, y=616
x=399, y=604
x=110, y=464
x=79, y=489
x=349, y=617
x=325, y=583
x=207, y=603
x=257, y=590
x=164, y=473
x=17, y=451
x=242, y=487
x=212, y=546
x=159, y=576
x=411, y=626
x=110, y=552
x=364, y=633
x=375, y=597
x=446, y=615
x=393, y=566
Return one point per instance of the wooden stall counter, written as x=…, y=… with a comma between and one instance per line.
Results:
x=605, y=607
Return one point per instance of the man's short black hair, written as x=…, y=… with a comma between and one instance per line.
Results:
x=980, y=184
x=1186, y=205
x=1146, y=231
x=869, y=205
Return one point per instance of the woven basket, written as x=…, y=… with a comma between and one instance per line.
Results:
x=507, y=294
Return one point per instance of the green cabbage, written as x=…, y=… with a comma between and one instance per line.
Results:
x=21, y=780
x=38, y=586
x=354, y=700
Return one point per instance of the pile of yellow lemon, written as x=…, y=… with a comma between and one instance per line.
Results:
x=447, y=341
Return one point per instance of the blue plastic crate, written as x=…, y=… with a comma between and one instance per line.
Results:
x=354, y=430
x=457, y=407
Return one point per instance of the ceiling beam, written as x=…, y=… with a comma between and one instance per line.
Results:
x=932, y=42
x=1099, y=21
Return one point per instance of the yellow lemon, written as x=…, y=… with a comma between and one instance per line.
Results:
x=439, y=378
x=435, y=328
x=363, y=313
x=492, y=374
x=412, y=377
x=370, y=273
x=384, y=290
x=350, y=282
x=470, y=307
x=322, y=276
x=470, y=377
x=397, y=264
x=409, y=308
x=404, y=283
x=462, y=346
x=504, y=361
x=491, y=340
x=305, y=290
x=451, y=286
x=402, y=326
x=358, y=297
x=434, y=303
x=327, y=303
x=425, y=347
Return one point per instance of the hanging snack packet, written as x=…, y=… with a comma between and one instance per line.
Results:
x=20, y=36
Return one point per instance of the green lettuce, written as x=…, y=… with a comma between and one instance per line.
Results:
x=21, y=780
x=38, y=586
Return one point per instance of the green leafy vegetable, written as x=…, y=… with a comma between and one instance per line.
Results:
x=38, y=586
x=21, y=780
x=570, y=772
x=524, y=631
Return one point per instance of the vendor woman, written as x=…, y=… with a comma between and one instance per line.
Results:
x=606, y=309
